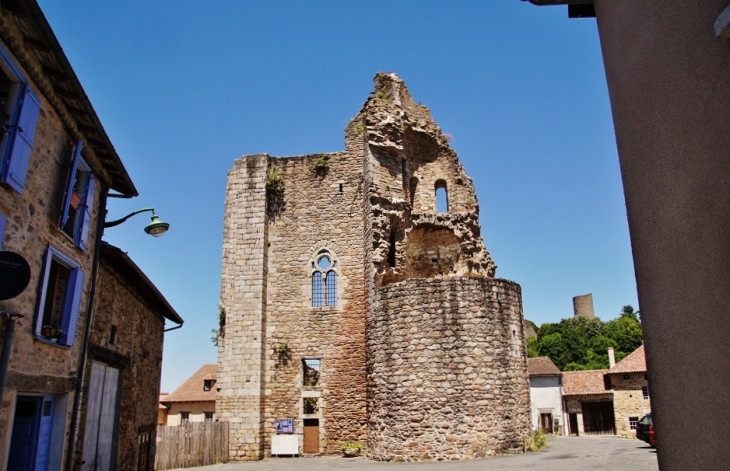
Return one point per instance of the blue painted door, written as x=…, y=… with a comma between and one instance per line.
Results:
x=23, y=443
x=44, y=434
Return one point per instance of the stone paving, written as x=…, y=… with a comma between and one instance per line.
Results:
x=562, y=454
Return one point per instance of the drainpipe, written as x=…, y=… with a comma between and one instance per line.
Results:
x=81, y=372
x=7, y=345
x=173, y=328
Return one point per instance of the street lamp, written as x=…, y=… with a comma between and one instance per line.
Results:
x=155, y=228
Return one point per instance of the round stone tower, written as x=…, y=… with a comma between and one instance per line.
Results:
x=447, y=372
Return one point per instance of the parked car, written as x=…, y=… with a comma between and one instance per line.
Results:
x=645, y=430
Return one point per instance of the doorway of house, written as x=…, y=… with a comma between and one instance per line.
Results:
x=101, y=418
x=573, y=424
x=31, y=437
x=546, y=422
x=311, y=436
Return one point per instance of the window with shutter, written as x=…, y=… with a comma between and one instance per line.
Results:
x=78, y=203
x=63, y=284
x=19, y=109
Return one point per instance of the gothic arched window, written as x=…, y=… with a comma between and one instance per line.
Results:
x=324, y=279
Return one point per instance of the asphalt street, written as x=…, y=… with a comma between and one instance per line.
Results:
x=562, y=454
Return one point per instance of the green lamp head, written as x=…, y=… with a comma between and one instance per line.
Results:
x=156, y=228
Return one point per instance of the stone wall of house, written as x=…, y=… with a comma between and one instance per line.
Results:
x=136, y=351
x=36, y=366
x=448, y=370
x=628, y=401
x=574, y=406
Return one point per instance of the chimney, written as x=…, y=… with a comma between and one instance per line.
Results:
x=611, y=358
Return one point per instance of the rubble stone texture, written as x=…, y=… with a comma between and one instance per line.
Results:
x=422, y=357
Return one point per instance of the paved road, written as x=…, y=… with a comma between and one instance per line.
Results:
x=562, y=454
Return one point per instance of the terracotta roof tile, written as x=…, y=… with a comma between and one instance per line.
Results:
x=579, y=383
x=542, y=366
x=635, y=362
x=192, y=389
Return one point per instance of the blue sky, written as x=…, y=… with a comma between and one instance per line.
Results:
x=185, y=87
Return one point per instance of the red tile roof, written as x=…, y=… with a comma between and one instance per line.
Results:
x=580, y=383
x=542, y=366
x=635, y=362
x=192, y=389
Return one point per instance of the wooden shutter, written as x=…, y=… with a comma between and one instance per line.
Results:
x=73, y=305
x=76, y=155
x=44, y=289
x=3, y=221
x=83, y=237
x=21, y=138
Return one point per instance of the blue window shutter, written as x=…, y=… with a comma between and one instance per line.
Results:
x=73, y=304
x=21, y=139
x=71, y=181
x=44, y=290
x=86, y=215
x=3, y=221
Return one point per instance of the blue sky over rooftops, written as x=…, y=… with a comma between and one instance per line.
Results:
x=183, y=88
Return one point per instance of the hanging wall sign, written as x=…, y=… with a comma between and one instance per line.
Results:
x=14, y=275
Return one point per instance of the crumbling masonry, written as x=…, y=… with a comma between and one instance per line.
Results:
x=356, y=308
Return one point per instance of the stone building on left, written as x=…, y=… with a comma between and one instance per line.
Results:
x=83, y=360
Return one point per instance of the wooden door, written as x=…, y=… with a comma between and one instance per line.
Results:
x=546, y=423
x=573, y=424
x=598, y=418
x=311, y=436
x=101, y=418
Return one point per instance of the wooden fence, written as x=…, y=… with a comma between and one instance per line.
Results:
x=191, y=444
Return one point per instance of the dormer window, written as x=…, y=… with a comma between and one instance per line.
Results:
x=207, y=384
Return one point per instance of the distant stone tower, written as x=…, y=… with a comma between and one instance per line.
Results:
x=356, y=308
x=583, y=306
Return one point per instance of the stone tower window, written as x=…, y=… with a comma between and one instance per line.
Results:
x=324, y=279
x=442, y=197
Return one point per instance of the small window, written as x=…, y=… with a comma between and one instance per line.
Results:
x=19, y=109
x=79, y=200
x=310, y=405
x=113, y=335
x=60, y=299
x=324, y=280
x=607, y=382
x=207, y=384
x=209, y=416
x=184, y=417
x=632, y=422
x=442, y=197
x=310, y=371
x=627, y=377
x=645, y=392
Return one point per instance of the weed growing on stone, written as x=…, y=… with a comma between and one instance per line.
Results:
x=274, y=178
x=322, y=163
x=537, y=441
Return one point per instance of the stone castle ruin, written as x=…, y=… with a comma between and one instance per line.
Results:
x=356, y=308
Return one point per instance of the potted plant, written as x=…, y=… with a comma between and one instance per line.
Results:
x=51, y=332
x=351, y=449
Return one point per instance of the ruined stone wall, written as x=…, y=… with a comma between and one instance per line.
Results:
x=136, y=351
x=448, y=370
x=241, y=376
x=318, y=210
x=628, y=401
